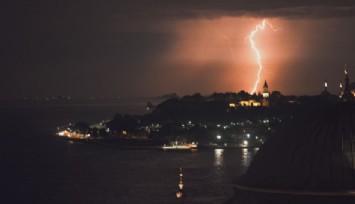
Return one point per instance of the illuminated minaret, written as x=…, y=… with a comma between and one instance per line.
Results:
x=341, y=89
x=347, y=95
x=266, y=94
x=325, y=92
x=180, y=194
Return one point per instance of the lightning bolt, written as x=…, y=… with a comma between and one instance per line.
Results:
x=251, y=36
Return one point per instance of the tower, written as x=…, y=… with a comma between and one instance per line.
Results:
x=340, y=89
x=180, y=193
x=325, y=92
x=347, y=95
x=266, y=95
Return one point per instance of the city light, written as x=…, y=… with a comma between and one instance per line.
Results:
x=218, y=153
x=74, y=135
x=232, y=105
x=245, y=143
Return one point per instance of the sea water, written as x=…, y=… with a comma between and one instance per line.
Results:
x=39, y=167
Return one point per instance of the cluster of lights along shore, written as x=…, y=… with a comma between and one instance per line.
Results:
x=245, y=137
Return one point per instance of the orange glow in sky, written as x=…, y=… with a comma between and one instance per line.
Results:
x=215, y=50
x=251, y=36
x=214, y=55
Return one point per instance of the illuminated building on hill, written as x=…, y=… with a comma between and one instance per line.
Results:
x=250, y=103
x=255, y=102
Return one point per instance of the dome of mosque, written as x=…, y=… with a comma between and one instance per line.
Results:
x=314, y=153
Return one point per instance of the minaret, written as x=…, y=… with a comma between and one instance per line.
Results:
x=341, y=89
x=180, y=194
x=266, y=95
x=347, y=95
x=325, y=92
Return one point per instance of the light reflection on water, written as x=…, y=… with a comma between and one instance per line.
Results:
x=93, y=174
x=81, y=173
x=218, y=157
x=247, y=155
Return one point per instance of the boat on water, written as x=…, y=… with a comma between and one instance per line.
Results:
x=190, y=146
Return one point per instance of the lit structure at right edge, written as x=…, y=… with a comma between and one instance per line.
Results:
x=347, y=95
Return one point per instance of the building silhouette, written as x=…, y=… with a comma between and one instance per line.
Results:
x=347, y=95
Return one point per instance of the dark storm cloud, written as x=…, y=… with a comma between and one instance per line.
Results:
x=143, y=9
x=259, y=8
x=67, y=47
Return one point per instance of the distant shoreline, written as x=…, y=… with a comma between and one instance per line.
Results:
x=147, y=144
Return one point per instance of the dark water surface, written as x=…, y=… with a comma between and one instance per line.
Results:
x=38, y=167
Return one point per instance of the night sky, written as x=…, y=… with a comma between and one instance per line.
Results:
x=136, y=48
